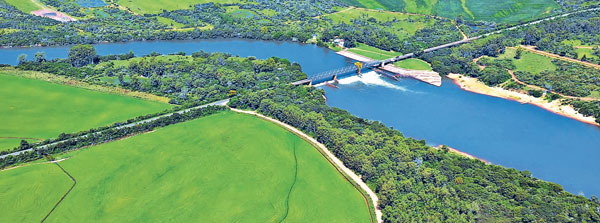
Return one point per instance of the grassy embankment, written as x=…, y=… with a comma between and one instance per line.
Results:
x=35, y=109
x=509, y=11
x=404, y=25
x=378, y=54
x=221, y=168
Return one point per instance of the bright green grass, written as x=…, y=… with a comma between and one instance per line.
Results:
x=157, y=6
x=169, y=22
x=589, y=53
x=505, y=11
x=26, y=6
x=413, y=64
x=529, y=62
x=39, y=109
x=29, y=193
x=372, y=52
x=226, y=167
x=402, y=26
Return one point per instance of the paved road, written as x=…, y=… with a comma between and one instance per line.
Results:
x=217, y=103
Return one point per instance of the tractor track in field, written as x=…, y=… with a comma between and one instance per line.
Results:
x=64, y=196
x=287, y=199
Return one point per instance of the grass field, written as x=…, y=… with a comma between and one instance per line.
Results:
x=30, y=192
x=26, y=6
x=405, y=24
x=227, y=167
x=157, y=6
x=529, y=62
x=372, y=52
x=581, y=49
x=413, y=64
x=39, y=109
x=509, y=11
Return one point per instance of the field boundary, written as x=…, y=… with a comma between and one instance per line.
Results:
x=350, y=176
x=65, y=195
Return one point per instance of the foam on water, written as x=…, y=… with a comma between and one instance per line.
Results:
x=371, y=78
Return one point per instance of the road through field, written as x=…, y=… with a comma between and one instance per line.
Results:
x=329, y=154
x=217, y=103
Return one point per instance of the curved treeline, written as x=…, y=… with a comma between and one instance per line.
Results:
x=417, y=183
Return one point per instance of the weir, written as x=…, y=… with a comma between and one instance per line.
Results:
x=381, y=64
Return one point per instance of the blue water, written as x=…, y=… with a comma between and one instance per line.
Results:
x=525, y=137
x=312, y=58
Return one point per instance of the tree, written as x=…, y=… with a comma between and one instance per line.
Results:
x=24, y=144
x=519, y=53
x=81, y=55
x=40, y=57
x=22, y=58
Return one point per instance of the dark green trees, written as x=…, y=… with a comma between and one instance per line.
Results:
x=81, y=55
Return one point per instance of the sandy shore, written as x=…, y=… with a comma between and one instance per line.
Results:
x=474, y=85
x=453, y=150
x=354, y=56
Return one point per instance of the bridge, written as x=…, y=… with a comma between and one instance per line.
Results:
x=334, y=74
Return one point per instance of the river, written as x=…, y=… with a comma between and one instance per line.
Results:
x=504, y=132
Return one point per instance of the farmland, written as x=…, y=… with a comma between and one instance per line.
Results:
x=246, y=170
x=25, y=5
x=498, y=11
x=143, y=6
x=40, y=110
x=403, y=24
x=529, y=62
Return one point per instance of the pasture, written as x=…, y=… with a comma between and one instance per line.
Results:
x=157, y=6
x=508, y=11
x=228, y=167
x=26, y=6
x=40, y=110
x=404, y=24
x=529, y=62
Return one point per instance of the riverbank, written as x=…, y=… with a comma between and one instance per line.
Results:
x=461, y=153
x=474, y=85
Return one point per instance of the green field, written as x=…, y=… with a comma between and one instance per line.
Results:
x=509, y=11
x=39, y=109
x=157, y=6
x=372, y=52
x=26, y=6
x=413, y=64
x=529, y=62
x=404, y=24
x=228, y=167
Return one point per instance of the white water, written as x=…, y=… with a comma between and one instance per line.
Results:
x=371, y=78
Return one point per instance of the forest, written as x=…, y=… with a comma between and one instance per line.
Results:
x=437, y=186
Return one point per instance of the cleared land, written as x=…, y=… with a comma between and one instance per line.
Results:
x=404, y=24
x=413, y=64
x=227, y=167
x=157, y=6
x=529, y=62
x=39, y=109
x=498, y=11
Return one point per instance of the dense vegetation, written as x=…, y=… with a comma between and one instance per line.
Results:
x=434, y=185
x=284, y=20
x=201, y=77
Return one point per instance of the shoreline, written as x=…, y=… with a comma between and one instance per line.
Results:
x=475, y=86
x=461, y=153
